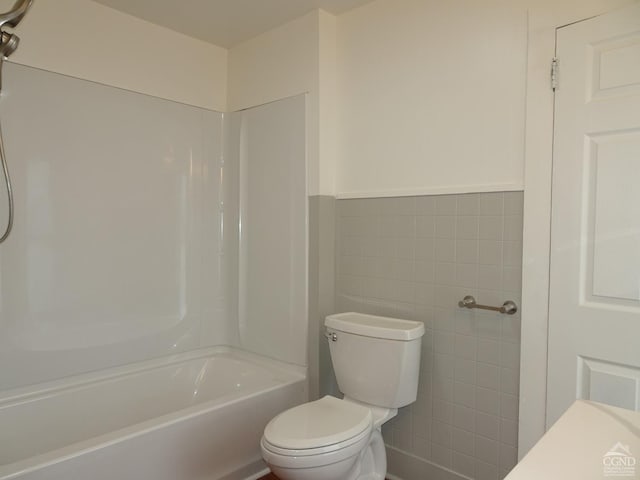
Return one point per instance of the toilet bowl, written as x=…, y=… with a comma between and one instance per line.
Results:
x=376, y=361
x=329, y=439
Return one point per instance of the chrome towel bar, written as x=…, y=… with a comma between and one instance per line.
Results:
x=508, y=307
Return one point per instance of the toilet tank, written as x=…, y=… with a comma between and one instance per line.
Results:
x=376, y=359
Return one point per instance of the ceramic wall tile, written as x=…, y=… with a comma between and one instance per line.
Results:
x=453, y=245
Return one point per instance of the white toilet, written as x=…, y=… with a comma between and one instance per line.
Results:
x=376, y=361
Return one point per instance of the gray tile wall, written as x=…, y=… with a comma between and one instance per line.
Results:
x=415, y=257
x=321, y=292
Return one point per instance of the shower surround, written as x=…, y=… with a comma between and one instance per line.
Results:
x=137, y=318
x=116, y=255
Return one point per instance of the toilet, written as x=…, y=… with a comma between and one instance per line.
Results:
x=376, y=361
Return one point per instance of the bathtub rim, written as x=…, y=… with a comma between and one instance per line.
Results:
x=293, y=374
x=32, y=392
x=37, y=462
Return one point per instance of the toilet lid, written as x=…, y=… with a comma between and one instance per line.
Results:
x=317, y=424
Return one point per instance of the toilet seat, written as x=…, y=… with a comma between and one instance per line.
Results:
x=363, y=437
x=318, y=427
x=317, y=457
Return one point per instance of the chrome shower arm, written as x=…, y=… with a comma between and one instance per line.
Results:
x=17, y=12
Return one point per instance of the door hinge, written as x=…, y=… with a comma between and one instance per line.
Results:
x=554, y=74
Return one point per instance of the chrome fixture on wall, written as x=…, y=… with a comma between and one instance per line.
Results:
x=508, y=308
x=8, y=44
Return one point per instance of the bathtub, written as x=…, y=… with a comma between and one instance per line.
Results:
x=194, y=416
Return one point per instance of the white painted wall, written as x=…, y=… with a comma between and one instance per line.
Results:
x=280, y=63
x=277, y=64
x=297, y=57
x=87, y=40
x=431, y=97
x=379, y=120
x=327, y=103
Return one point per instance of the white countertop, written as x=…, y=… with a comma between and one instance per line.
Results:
x=590, y=441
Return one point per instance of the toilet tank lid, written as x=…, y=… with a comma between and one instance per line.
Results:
x=375, y=326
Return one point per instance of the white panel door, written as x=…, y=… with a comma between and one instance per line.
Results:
x=594, y=311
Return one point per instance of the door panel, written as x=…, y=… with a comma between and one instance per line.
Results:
x=594, y=307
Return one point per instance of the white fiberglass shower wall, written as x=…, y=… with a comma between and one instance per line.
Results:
x=116, y=254
x=146, y=255
x=129, y=221
x=268, y=142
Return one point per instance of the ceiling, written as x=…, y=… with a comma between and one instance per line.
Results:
x=225, y=22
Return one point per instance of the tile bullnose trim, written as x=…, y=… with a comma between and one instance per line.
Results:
x=414, y=192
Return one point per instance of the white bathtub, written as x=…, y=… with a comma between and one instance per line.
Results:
x=195, y=416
